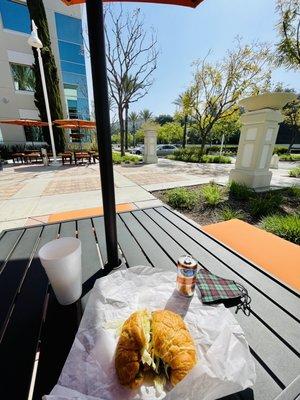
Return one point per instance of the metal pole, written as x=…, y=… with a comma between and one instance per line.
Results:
x=47, y=105
x=95, y=21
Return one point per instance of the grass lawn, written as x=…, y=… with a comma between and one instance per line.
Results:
x=211, y=203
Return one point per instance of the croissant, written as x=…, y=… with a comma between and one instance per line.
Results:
x=150, y=340
x=172, y=342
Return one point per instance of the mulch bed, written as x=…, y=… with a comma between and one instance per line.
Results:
x=204, y=214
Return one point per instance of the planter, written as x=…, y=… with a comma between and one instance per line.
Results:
x=274, y=101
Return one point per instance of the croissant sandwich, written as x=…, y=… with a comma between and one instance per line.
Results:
x=157, y=341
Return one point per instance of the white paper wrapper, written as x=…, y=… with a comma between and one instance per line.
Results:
x=224, y=365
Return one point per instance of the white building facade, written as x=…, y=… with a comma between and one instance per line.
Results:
x=16, y=59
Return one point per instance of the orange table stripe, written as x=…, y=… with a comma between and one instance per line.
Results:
x=275, y=255
x=87, y=212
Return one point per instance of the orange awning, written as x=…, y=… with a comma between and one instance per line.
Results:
x=24, y=122
x=186, y=3
x=74, y=123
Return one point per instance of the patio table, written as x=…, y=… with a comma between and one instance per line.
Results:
x=36, y=333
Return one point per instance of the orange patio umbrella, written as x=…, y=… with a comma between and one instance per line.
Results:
x=24, y=122
x=74, y=123
x=95, y=22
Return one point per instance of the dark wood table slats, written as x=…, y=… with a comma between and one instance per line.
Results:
x=8, y=241
x=100, y=234
x=154, y=237
x=266, y=311
x=151, y=248
x=130, y=247
x=30, y=301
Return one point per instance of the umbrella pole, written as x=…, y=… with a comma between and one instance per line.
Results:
x=95, y=21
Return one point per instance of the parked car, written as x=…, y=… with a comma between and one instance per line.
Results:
x=165, y=149
x=138, y=150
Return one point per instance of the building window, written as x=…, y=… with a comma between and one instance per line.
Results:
x=23, y=77
x=33, y=134
x=15, y=16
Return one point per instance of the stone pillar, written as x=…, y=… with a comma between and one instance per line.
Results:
x=150, y=143
x=260, y=126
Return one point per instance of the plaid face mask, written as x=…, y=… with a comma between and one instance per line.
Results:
x=215, y=289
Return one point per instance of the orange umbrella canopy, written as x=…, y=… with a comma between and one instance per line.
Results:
x=74, y=123
x=24, y=122
x=186, y=3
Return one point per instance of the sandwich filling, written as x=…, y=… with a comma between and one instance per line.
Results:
x=148, y=357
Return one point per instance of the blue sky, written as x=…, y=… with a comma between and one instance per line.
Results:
x=185, y=35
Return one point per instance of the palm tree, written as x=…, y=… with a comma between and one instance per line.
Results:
x=23, y=76
x=133, y=118
x=185, y=103
x=145, y=115
x=130, y=87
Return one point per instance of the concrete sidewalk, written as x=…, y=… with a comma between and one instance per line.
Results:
x=34, y=194
x=170, y=174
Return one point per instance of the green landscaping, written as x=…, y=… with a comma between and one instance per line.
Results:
x=295, y=172
x=289, y=157
x=127, y=159
x=285, y=226
x=275, y=211
x=195, y=154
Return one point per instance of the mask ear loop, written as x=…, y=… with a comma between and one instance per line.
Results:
x=245, y=301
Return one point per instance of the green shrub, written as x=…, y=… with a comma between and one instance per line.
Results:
x=280, y=150
x=127, y=159
x=289, y=157
x=240, y=191
x=295, y=172
x=212, y=194
x=194, y=154
x=285, y=226
x=228, y=213
x=181, y=198
x=216, y=149
x=294, y=191
x=265, y=204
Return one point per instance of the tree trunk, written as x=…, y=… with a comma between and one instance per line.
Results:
x=122, y=131
x=293, y=139
x=184, y=131
x=203, y=142
x=37, y=13
x=126, y=127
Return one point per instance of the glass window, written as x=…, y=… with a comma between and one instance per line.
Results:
x=72, y=67
x=71, y=52
x=23, y=77
x=33, y=134
x=15, y=16
x=68, y=28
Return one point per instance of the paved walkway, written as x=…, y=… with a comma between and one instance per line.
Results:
x=36, y=194
x=169, y=174
x=32, y=194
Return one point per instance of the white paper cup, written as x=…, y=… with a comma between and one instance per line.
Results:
x=61, y=259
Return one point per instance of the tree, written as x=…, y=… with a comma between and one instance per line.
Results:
x=24, y=77
x=131, y=60
x=228, y=126
x=288, y=49
x=37, y=13
x=185, y=103
x=291, y=113
x=146, y=115
x=217, y=87
x=171, y=132
x=133, y=118
x=163, y=119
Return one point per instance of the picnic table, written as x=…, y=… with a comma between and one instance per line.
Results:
x=36, y=333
